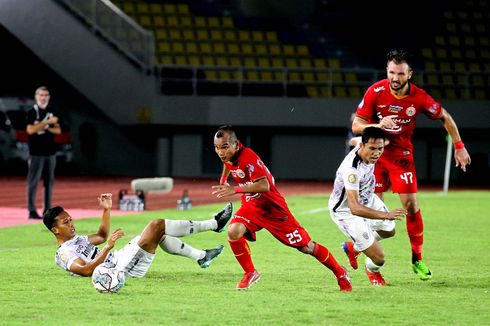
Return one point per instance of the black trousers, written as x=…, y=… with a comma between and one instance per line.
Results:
x=40, y=166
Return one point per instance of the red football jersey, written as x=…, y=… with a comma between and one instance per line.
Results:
x=379, y=102
x=245, y=169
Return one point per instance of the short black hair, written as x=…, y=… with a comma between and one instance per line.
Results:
x=399, y=56
x=49, y=217
x=226, y=129
x=372, y=133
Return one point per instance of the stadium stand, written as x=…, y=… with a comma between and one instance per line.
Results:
x=211, y=49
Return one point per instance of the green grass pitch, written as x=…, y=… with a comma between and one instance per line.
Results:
x=294, y=290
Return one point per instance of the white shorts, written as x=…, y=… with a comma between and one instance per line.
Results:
x=360, y=229
x=133, y=260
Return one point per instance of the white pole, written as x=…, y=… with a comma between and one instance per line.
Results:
x=447, y=169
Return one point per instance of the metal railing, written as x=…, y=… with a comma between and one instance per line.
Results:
x=119, y=29
x=329, y=82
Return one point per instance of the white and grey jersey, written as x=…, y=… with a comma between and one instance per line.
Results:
x=352, y=174
x=78, y=247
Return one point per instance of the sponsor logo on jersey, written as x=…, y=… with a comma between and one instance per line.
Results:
x=379, y=185
x=379, y=89
x=410, y=111
x=242, y=218
x=395, y=108
x=433, y=109
x=401, y=121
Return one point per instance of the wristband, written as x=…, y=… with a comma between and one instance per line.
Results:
x=222, y=180
x=238, y=189
x=459, y=145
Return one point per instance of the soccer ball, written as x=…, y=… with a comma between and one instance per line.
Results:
x=106, y=278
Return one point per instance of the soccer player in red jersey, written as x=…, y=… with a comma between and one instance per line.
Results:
x=393, y=104
x=262, y=207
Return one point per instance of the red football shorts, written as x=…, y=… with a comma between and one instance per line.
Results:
x=399, y=171
x=285, y=229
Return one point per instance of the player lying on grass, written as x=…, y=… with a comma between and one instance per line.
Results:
x=358, y=212
x=79, y=254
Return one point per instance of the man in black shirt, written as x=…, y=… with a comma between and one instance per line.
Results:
x=42, y=124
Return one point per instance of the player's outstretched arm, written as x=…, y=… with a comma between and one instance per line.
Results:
x=461, y=155
x=105, y=202
x=358, y=209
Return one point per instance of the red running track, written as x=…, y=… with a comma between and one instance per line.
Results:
x=78, y=195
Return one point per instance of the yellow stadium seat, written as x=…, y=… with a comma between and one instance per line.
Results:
x=202, y=35
x=288, y=50
x=447, y=80
x=208, y=61
x=158, y=21
x=156, y=9
x=263, y=62
x=302, y=50
x=319, y=63
x=291, y=63
x=230, y=35
x=322, y=76
x=445, y=66
x=308, y=76
x=427, y=53
x=219, y=48
x=334, y=63
x=180, y=60
x=261, y=49
x=216, y=35
x=247, y=48
x=312, y=91
x=275, y=49
x=227, y=22
x=271, y=36
x=277, y=62
x=191, y=47
x=172, y=21
x=251, y=75
x=205, y=47
x=459, y=66
x=145, y=21
x=243, y=35
x=257, y=36
x=430, y=66
x=235, y=62
x=129, y=8
x=340, y=91
x=354, y=92
x=455, y=54
x=222, y=61
x=211, y=74
x=183, y=8
x=214, y=22
x=266, y=75
x=279, y=75
x=186, y=21
x=194, y=61
x=233, y=48
x=294, y=76
x=169, y=8
x=161, y=34
x=178, y=47
x=305, y=63
x=200, y=21
x=166, y=60
x=174, y=34
x=142, y=8
x=188, y=34
x=249, y=62
x=440, y=41
x=351, y=77
x=163, y=47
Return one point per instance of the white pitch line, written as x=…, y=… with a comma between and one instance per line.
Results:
x=314, y=211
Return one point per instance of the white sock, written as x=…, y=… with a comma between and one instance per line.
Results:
x=371, y=266
x=356, y=248
x=175, y=246
x=181, y=228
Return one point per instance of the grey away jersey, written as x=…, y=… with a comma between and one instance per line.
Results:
x=352, y=174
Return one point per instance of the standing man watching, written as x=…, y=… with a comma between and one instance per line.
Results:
x=42, y=124
x=393, y=105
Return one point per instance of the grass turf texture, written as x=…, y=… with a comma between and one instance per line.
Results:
x=294, y=289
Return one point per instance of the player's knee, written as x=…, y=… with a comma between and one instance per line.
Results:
x=233, y=233
x=157, y=226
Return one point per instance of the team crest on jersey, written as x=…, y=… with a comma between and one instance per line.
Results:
x=64, y=257
x=410, y=111
x=352, y=178
x=239, y=173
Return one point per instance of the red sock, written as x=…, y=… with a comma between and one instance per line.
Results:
x=415, y=229
x=242, y=254
x=324, y=256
